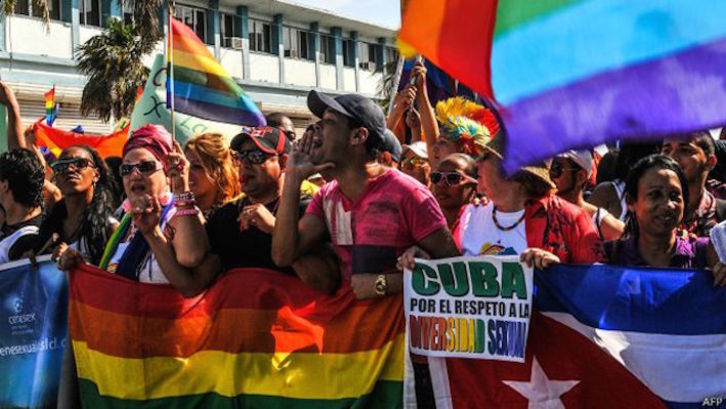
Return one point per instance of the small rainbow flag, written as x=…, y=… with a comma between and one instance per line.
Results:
x=198, y=85
x=255, y=339
x=579, y=73
x=51, y=108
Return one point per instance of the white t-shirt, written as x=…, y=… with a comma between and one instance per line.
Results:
x=150, y=271
x=480, y=236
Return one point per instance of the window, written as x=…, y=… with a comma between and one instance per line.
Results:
x=327, y=49
x=297, y=43
x=260, y=36
x=195, y=18
x=349, y=53
x=227, y=28
x=128, y=11
x=90, y=12
x=391, y=56
x=26, y=8
x=305, y=42
x=367, y=56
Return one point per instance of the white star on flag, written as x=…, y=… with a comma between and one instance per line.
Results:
x=542, y=392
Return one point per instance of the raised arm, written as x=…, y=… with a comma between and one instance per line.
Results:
x=16, y=139
x=292, y=238
x=428, y=116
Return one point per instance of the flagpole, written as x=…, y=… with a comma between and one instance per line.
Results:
x=170, y=50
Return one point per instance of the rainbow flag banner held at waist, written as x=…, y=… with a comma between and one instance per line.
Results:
x=198, y=85
x=256, y=338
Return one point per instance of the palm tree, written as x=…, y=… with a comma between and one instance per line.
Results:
x=112, y=62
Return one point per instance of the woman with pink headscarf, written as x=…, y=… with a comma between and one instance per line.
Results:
x=161, y=237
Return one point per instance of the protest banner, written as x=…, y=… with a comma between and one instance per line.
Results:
x=33, y=311
x=469, y=307
x=151, y=109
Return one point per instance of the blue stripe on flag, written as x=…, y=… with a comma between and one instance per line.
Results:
x=585, y=39
x=661, y=301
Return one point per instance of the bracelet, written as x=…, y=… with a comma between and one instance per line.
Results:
x=186, y=212
x=183, y=203
x=184, y=197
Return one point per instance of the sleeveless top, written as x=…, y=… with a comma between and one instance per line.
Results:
x=7, y=243
x=597, y=219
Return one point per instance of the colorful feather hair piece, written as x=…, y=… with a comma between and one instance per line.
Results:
x=467, y=123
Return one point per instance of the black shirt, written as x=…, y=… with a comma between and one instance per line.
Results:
x=249, y=248
x=24, y=243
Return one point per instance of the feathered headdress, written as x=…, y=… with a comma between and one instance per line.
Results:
x=467, y=123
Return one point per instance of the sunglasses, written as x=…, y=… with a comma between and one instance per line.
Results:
x=413, y=162
x=253, y=157
x=451, y=178
x=62, y=166
x=556, y=170
x=146, y=168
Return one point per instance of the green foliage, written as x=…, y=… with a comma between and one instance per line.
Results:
x=112, y=62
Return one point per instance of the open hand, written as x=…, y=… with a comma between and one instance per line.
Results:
x=301, y=162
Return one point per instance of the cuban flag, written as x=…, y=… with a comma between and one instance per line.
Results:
x=605, y=337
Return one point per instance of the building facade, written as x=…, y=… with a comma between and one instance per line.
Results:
x=277, y=50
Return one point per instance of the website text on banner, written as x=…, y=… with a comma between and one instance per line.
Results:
x=469, y=307
x=32, y=333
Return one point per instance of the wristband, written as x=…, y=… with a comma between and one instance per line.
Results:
x=184, y=197
x=187, y=212
x=183, y=203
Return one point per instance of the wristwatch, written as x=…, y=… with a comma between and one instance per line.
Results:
x=381, y=285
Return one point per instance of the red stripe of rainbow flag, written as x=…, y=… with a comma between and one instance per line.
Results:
x=256, y=338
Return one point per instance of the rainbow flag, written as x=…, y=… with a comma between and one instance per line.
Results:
x=579, y=73
x=51, y=108
x=200, y=86
x=55, y=140
x=256, y=338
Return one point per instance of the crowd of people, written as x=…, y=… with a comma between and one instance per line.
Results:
x=356, y=198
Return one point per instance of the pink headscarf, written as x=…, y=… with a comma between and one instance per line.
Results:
x=154, y=138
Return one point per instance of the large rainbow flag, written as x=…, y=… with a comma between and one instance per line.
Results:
x=200, y=86
x=256, y=338
x=55, y=140
x=577, y=73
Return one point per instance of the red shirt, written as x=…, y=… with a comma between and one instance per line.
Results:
x=562, y=228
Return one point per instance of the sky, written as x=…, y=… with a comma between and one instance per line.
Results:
x=384, y=12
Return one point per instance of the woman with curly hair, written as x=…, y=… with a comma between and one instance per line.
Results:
x=82, y=219
x=213, y=176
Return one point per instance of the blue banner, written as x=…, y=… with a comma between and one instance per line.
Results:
x=33, y=329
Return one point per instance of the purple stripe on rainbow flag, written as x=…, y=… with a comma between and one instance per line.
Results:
x=688, y=89
x=219, y=113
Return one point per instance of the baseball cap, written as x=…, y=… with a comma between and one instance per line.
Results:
x=418, y=148
x=582, y=159
x=267, y=139
x=357, y=107
x=391, y=145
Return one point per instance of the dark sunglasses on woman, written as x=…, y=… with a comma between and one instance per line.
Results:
x=62, y=165
x=146, y=168
x=451, y=178
x=556, y=170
